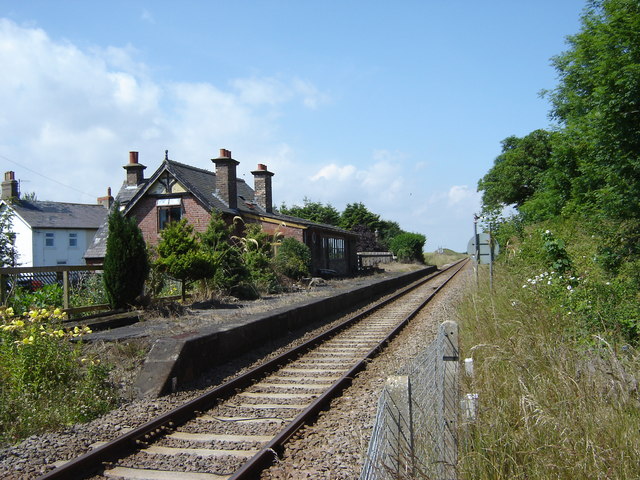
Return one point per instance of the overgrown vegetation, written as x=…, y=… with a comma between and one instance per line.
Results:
x=555, y=345
x=45, y=381
x=556, y=364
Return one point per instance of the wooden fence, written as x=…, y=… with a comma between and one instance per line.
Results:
x=38, y=276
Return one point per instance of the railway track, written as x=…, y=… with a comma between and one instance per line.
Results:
x=236, y=430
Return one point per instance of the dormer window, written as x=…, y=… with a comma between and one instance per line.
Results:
x=169, y=210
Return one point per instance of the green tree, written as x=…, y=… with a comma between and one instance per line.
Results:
x=357, y=214
x=409, y=247
x=518, y=172
x=8, y=251
x=313, y=211
x=126, y=264
x=597, y=101
x=181, y=256
x=386, y=231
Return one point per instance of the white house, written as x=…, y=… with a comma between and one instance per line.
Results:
x=50, y=233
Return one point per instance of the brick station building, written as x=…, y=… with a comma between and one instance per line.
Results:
x=176, y=191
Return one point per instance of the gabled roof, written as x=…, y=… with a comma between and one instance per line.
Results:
x=39, y=214
x=201, y=183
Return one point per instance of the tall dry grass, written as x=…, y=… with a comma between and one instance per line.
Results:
x=551, y=405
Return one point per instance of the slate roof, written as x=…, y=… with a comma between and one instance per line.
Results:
x=39, y=214
x=202, y=184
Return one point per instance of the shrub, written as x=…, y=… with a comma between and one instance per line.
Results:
x=292, y=259
x=180, y=255
x=408, y=247
x=45, y=382
x=126, y=264
x=231, y=272
x=24, y=300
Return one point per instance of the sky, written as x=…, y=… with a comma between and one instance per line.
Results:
x=400, y=105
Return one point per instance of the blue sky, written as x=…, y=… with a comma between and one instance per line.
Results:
x=400, y=105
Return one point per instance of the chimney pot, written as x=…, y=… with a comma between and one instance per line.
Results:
x=10, y=187
x=226, y=178
x=107, y=201
x=262, y=187
x=135, y=170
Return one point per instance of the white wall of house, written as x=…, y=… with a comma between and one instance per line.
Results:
x=24, y=242
x=60, y=246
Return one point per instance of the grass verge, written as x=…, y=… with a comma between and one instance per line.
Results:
x=555, y=401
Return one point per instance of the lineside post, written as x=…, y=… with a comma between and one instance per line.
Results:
x=449, y=426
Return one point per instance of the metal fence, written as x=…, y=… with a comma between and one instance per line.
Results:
x=415, y=433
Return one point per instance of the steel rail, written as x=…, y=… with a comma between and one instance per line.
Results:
x=265, y=457
x=93, y=461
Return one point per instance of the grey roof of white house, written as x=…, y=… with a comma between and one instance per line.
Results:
x=42, y=214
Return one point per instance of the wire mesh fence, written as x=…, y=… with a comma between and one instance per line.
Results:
x=414, y=436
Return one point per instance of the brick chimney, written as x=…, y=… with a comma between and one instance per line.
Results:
x=107, y=201
x=10, y=187
x=135, y=170
x=226, y=184
x=262, y=187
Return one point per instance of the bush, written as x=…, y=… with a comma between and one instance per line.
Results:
x=555, y=365
x=408, y=247
x=24, y=300
x=45, y=382
x=231, y=274
x=293, y=259
x=181, y=256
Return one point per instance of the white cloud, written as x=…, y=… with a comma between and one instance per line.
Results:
x=80, y=111
x=459, y=193
x=333, y=172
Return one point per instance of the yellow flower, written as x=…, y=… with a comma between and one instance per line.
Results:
x=9, y=311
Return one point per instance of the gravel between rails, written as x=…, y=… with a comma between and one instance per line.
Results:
x=318, y=456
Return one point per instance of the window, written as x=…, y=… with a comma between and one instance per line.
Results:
x=169, y=210
x=73, y=239
x=336, y=248
x=49, y=240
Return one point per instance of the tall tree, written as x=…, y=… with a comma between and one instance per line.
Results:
x=357, y=214
x=314, y=211
x=8, y=251
x=126, y=263
x=598, y=102
x=518, y=172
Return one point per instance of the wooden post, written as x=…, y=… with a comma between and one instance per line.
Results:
x=65, y=289
x=450, y=401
